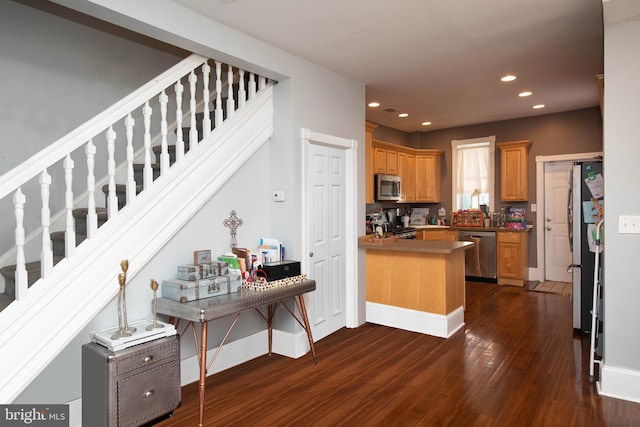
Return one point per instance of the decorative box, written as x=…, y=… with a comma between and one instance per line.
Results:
x=281, y=269
x=205, y=270
x=187, y=290
x=235, y=282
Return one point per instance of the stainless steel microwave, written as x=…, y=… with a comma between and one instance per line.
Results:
x=387, y=187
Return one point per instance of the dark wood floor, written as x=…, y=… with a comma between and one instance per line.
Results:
x=517, y=362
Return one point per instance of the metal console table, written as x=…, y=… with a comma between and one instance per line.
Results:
x=208, y=309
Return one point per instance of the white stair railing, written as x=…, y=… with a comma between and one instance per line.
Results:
x=102, y=133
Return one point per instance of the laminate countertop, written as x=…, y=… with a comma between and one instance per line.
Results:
x=406, y=245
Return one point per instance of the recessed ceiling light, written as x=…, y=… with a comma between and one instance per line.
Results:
x=403, y=115
x=525, y=93
x=426, y=123
x=538, y=106
x=508, y=78
x=373, y=104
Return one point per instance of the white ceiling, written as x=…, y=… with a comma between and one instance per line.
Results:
x=438, y=60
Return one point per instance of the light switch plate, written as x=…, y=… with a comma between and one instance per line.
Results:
x=629, y=224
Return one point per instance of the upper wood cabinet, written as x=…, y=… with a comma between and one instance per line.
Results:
x=514, y=171
x=369, y=169
x=428, y=176
x=419, y=170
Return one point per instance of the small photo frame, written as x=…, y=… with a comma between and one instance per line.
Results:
x=201, y=257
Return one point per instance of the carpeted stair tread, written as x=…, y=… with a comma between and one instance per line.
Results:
x=33, y=274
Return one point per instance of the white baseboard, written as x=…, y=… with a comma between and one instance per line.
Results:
x=75, y=413
x=438, y=325
x=619, y=383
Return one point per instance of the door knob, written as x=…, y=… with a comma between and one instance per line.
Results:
x=310, y=254
x=548, y=227
x=548, y=219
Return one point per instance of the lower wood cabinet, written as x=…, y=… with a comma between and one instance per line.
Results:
x=512, y=257
x=130, y=387
x=442, y=235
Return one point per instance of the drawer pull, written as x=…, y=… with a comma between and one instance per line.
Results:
x=148, y=393
x=147, y=359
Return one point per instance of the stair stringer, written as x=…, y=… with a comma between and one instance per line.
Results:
x=37, y=328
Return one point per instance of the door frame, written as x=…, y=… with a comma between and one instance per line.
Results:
x=351, y=223
x=540, y=241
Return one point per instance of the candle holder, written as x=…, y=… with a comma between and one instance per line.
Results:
x=154, y=325
x=124, y=330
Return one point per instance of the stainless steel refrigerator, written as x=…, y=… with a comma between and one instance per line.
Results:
x=586, y=204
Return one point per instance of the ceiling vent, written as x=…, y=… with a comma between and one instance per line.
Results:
x=390, y=110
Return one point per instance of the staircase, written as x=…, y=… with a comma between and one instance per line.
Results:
x=48, y=301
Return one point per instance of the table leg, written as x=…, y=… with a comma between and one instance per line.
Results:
x=305, y=319
x=270, y=324
x=203, y=368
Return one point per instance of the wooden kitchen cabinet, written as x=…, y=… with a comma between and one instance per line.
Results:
x=380, y=160
x=514, y=171
x=438, y=234
x=392, y=162
x=406, y=172
x=428, y=176
x=369, y=169
x=512, y=257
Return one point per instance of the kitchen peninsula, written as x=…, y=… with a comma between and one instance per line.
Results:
x=416, y=285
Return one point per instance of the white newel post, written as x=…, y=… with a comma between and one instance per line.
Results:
x=164, y=148
x=129, y=123
x=92, y=217
x=206, y=120
x=21, y=271
x=112, y=199
x=230, y=103
x=193, y=130
x=219, y=110
x=147, y=176
x=70, y=229
x=46, y=255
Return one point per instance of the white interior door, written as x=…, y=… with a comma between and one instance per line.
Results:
x=326, y=182
x=556, y=237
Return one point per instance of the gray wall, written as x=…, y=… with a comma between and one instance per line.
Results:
x=578, y=131
x=300, y=101
x=622, y=196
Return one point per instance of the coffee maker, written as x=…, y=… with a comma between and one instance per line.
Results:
x=392, y=218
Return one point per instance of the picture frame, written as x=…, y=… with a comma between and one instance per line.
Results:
x=202, y=257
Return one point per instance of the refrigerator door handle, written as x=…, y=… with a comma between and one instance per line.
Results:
x=570, y=218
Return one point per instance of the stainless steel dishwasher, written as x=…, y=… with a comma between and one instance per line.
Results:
x=480, y=260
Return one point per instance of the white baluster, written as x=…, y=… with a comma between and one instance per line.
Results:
x=252, y=85
x=129, y=123
x=206, y=120
x=262, y=82
x=21, y=282
x=46, y=255
x=242, y=93
x=112, y=198
x=92, y=217
x=193, y=131
x=70, y=232
x=219, y=110
x=164, y=149
x=230, y=103
x=179, y=140
x=147, y=176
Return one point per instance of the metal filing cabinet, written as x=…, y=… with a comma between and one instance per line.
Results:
x=130, y=387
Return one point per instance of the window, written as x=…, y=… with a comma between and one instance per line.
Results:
x=473, y=163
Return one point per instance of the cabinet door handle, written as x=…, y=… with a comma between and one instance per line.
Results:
x=148, y=393
x=147, y=359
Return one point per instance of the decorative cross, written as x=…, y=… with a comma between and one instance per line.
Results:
x=233, y=222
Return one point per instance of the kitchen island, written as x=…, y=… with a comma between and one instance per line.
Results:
x=416, y=285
